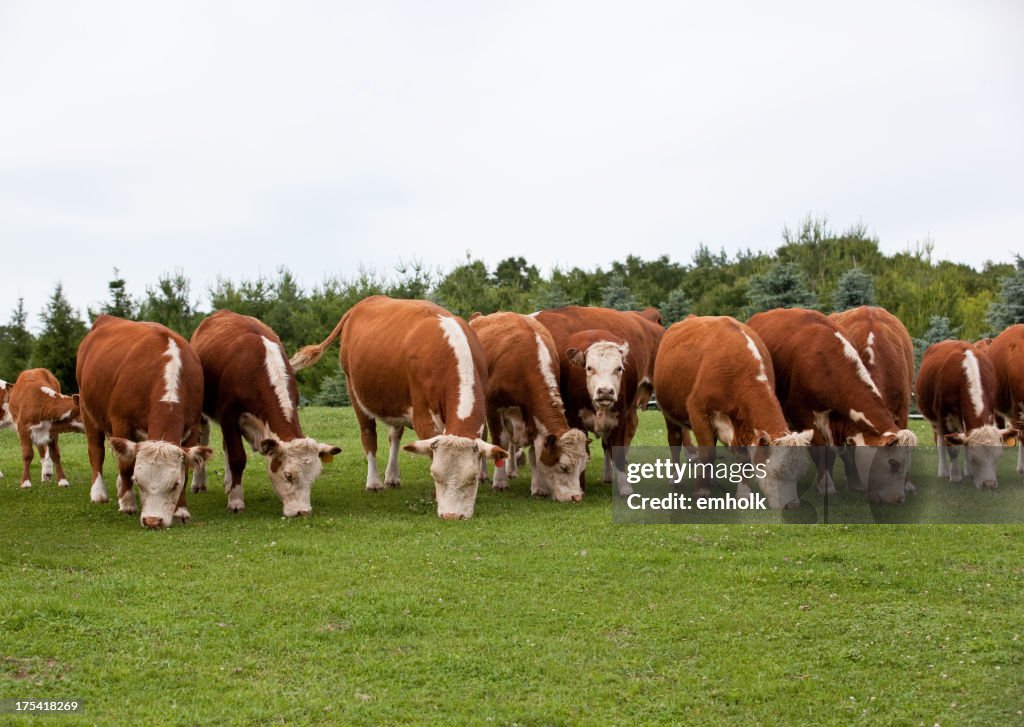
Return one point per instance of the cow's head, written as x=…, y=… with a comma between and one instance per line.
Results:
x=604, y=362
x=560, y=462
x=785, y=461
x=159, y=469
x=884, y=467
x=984, y=448
x=294, y=467
x=455, y=467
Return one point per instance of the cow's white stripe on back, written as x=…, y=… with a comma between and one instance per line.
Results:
x=464, y=361
x=172, y=372
x=48, y=391
x=762, y=375
x=851, y=353
x=277, y=370
x=974, y=382
x=869, y=350
x=547, y=370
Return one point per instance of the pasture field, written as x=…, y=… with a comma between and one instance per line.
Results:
x=374, y=611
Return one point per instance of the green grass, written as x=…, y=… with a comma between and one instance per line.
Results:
x=375, y=611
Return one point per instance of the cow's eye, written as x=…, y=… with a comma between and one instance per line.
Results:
x=288, y=476
x=590, y=369
x=564, y=468
x=620, y=370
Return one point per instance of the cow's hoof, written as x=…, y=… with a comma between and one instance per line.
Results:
x=26, y=485
x=236, y=506
x=956, y=479
x=126, y=509
x=499, y=487
x=392, y=484
x=181, y=515
x=374, y=486
x=198, y=488
x=64, y=483
x=537, y=493
x=910, y=489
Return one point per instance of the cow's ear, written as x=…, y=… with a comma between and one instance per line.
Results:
x=76, y=400
x=576, y=357
x=1009, y=436
x=197, y=457
x=550, y=442
x=762, y=438
x=490, y=451
x=624, y=350
x=124, y=450
x=422, y=446
x=269, y=446
x=327, y=452
x=475, y=314
x=955, y=438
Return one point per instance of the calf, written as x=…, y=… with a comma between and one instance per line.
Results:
x=250, y=391
x=141, y=384
x=412, y=363
x=714, y=376
x=822, y=384
x=956, y=391
x=6, y=420
x=524, y=405
x=1007, y=354
x=40, y=413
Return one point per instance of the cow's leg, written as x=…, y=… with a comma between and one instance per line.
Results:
x=538, y=487
x=234, y=453
x=94, y=440
x=199, y=475
x=391, y=475
x=853, y=484
x=54, y=451
x=45, y=462
x=1020, y=458
x=826, y=460
x=496, y=428
x=368, y=434
x=674, y=433
x=181, y=513
x=125, y=491
x=704, y=433
x=619, y=441
x=940, y=446
x=606, y=473
x=25, y=440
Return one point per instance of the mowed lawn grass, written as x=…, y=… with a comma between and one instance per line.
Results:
x=374, y=611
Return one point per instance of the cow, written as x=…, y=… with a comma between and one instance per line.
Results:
x=1007, y=354
x=524, y=405
x=412, y=363
x=650, y=313
x=39, y=413
x=639, y=337
x=822, y=384
x=141, y=385
x=249, y=389
x=714, y=376
x=6, y=420
x=956, y=392
x=885, y=347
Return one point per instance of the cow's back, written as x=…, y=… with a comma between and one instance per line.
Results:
x=956, y=379
x=1007, y=354
x=30, y=385
x=512, y=344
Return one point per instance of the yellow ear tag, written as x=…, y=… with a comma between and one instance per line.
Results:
x=1011, y=442
x=327, y=458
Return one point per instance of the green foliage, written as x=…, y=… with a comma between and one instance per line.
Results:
x=782, y=286
x=120, y=303
x=938, y=330
x=15, y=344
x=1008, y=308
x=333, y=391
x=57, y=344
x=171, y=304
x=616, y=294
x=675, y=307
x=855, y=288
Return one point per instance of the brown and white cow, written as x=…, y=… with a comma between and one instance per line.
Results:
x=250, y=391
x=412, y=363
x=823, y=384
x=141, y=384
x=956, y=392
x=6, y=420
x=640, y=338
x=885, y=347
x=524, y=405
x=39, y=413
x=1007, y=354
x=714, y=376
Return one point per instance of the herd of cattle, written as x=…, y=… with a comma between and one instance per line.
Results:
x=769, y=389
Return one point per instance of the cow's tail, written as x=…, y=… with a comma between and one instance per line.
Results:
x=309, y=355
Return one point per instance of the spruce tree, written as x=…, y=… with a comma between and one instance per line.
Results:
x=854, y=288
x=1009, y=306
x=15, y=344
x=57, y=345
x=782, y=286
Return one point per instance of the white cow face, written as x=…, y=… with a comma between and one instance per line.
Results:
x=604, y=362
x=984, y=448
x=785, y=463
x=294, y=467
x=885, y=469
x=561, y=462
x=455, y=467
x=159, y=469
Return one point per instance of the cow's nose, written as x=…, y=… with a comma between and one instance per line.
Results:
x=153, y=523
x=989, y=484
x=452, y=516
x=576, y=498
x=605, y=392
x=303, y=513
x=793, y=504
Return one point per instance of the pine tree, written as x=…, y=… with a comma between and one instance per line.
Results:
x=939, y=329
x=170, y=303
x=1009, y=307
x=15, y=344
x=855, y=288
x=616, y=295
x=675, y=307
x=121, y=303
x=782, y=286
x=550, y=295
x=57, y=345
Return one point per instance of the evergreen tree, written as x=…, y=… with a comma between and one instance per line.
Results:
x=782, y=286
x=170, y=303
x=57, y=345
x=855, y=288
x=617, y=295
x=121, y=303
x=939, y=329
x=333, y=391
x=549, y=295
x=675, y=307
x=1008, y=308
x=15, y=344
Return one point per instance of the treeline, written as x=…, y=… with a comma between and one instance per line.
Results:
x=814, y=267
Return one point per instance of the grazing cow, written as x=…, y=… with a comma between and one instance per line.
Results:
x=250, y=391
x=1007, y=354
x=40, y=412
x=887, y=351
x=524, y=405
x=412, y=363
x=823, y=385
x=956, y=392
x=636, y=333
x=714, y=376
x=141, y=384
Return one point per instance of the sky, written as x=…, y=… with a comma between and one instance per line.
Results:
x=229, y=139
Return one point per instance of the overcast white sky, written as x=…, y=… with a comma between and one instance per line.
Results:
x=232, y=138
